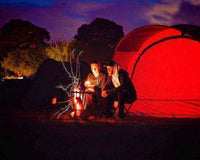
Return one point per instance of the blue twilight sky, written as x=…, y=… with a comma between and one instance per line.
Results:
x=63, y=17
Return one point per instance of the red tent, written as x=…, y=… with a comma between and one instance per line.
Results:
x=164, y=66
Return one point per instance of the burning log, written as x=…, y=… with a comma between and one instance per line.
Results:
x=77, y=103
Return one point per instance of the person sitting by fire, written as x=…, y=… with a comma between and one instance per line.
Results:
x=94, y=84
x=118, y=88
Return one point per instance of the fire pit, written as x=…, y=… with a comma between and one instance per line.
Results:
x=79, y=101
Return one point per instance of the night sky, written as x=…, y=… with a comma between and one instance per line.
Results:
x=63, y=17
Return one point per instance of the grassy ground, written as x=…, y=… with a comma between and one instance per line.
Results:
x=34, y=135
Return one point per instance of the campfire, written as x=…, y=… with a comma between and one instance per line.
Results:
x=77, y=102
x=78, y=97
x=73, y=104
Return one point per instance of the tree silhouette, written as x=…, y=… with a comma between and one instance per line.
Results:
x=21, y=34
x=22, y=47
x=98, y=39
x=189, y=30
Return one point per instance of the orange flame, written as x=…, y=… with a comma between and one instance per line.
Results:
x=72, y=114
x=78, y=106
x=77, y=102
x=76, y=89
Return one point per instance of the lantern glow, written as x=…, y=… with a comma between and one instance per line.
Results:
x=54, y=100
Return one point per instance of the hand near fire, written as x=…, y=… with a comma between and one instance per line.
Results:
x=104, y=94
x=88, y=86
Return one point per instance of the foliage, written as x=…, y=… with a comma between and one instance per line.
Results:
x=21, y=34
x=58, y=50
x=98, y=39
x=24, y=62
x=22, y=47
x=7, y=74
x=2, y=72
x=189, y=30
x=80, y=46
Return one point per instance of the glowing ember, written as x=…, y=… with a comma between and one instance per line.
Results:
x=72, y=114
x=78, y=106
x=77, y=102
x=76, y=94
x=78, y=113
x=76, y=89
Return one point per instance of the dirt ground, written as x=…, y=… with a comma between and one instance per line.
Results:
x=34, y=137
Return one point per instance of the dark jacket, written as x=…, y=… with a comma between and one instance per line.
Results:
x=126, y=85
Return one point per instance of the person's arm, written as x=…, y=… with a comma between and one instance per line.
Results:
x=103, y=82
x=123, y=76
x=87, y=79
x=107, y=86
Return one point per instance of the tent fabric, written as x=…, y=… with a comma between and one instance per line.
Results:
x=50, y=74
x=141, y=38
x=141, y=35
x=164, y=70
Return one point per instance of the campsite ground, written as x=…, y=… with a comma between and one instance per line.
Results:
x=29, y=135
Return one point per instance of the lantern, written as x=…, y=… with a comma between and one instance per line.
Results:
x=54, y=100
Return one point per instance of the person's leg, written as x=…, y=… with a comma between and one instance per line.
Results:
x=87, y=105
x=96, y=105
x=121, y=97
x=107, y=105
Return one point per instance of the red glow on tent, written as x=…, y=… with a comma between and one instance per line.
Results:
x=165, y=71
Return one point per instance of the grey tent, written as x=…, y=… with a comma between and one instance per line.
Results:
x=50, y=74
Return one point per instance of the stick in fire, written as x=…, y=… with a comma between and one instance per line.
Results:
x=75, y=80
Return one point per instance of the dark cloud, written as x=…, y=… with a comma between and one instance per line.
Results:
x=59, y=20
x=62, y=18
x=128, y=14
x=188, y=14
x=170, y=12
x=26, y=3
x=162, y=13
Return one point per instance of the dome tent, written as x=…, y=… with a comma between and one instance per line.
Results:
x=50, y=74
x=164, y=66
